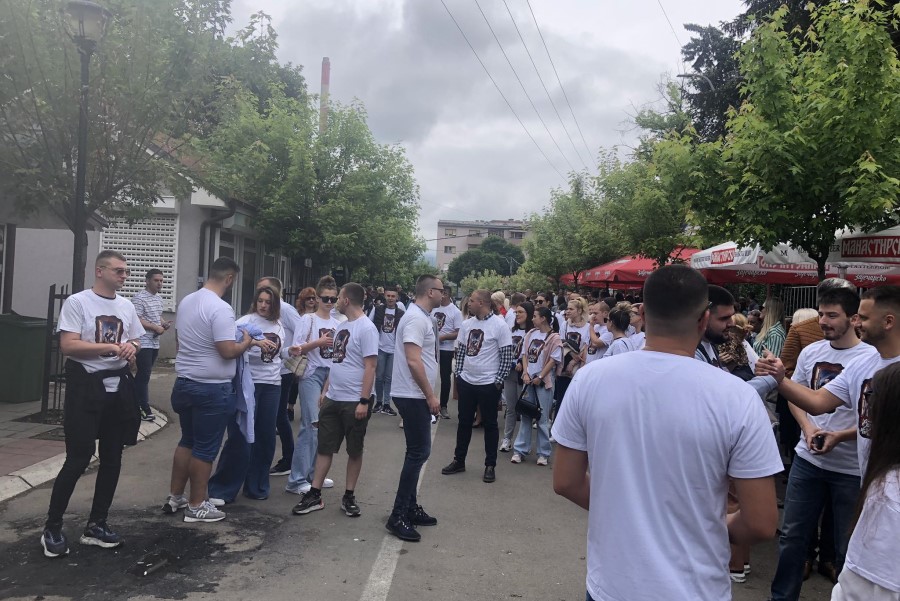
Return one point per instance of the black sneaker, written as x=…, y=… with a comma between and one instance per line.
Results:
x=100, y=535
x=147, y=416
x=282, y=468
x=54, y=542
x=418, y=517
x=308, y=503
x=400, y=527
x=349, y=506
x=444, y=413
x=489, y=475
x=388, y=410
x=377, y=408
x=454, y=467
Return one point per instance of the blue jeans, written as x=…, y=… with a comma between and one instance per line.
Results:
x=417, y=429
x=803, y=500
x=203, y=412
x=146, y=357
x=243, y=463
x=282, y=423
x=384, y=372
x=303, y=463
x=523, y=440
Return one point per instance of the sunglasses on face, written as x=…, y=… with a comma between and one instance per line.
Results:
x=328, y=300
x=119, y=270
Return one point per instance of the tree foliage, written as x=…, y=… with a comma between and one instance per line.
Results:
x=493, y=254
x=486, y=280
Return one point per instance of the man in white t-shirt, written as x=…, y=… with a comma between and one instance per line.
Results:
x=826, y=466
x=149, y=307
x=449, y=319
x=484, y=356
x=203, y=395
x=628, y=447
x=879, y=325
x=415, y=370
x=345, y=405
x=99, y=334
x=601, y=337
x=386, y=318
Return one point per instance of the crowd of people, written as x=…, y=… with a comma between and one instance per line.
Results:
x=672, y=449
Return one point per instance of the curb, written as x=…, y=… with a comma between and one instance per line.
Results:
x=44, y=471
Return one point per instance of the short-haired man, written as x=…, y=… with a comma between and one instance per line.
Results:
x=449, y=319
x=414, y=372
x=98, y=333
x=149, y=307
x=484, y=356
x=345, y=405
x=203, y=395
x=879, y=324
x=627, y=447
x=386, y=318
x=826, y=466
x=601, y=337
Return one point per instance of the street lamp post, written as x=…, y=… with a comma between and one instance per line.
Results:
x=87, y=23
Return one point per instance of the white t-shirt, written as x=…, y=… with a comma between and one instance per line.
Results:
x=851, y=387
x=322, y=356
x=535, y=356
x=638, y=340
x=482, y=340
x=449, y=319
x=518, y=337
x=417, y=327
x=353, y=340
x=265, y=367
x=660, y=450
x=202, y=320
x=874, y=549
x=606, y=337
x=818, y=364
x=387, y=334
x=579, y=334
x=290, y=318
x=621, y=345
x=510, y=318
x=98, y=319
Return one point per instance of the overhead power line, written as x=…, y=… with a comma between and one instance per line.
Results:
x=559, y=81
x=544, y=85
x=502, y=95
x=527, y=95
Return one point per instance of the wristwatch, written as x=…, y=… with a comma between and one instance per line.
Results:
x=364, y=401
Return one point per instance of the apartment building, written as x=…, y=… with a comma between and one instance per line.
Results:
x=456, y=237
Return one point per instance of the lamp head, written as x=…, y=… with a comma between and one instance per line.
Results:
x=86, y=21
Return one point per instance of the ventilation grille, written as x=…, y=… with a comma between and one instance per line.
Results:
x=147, y=244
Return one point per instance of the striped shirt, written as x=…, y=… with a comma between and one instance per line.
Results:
x=149, y=307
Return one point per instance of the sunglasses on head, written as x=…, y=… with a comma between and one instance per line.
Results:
x=328, y=300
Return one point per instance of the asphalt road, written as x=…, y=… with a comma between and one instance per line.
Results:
x=513, y=539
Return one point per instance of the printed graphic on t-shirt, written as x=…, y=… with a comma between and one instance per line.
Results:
x=441, y=318
x=388, y=326
x=574, y=337
x=534, y=350
x=268, y=356
x=865, y=424
x=341, y=340
x=108, y=330
x=592, y=350
x=326, y=352
x=823, y=373
x=517, y=345
x=474, y=342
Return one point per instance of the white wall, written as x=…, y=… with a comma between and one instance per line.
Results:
x=44, y=257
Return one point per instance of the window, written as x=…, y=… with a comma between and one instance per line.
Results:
x=495, y=232
x=516, y=235
x=472, y=246
x=450, y=231
x=474, y=232
x=449, y=250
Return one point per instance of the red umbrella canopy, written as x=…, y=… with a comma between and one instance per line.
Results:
x=629, y=270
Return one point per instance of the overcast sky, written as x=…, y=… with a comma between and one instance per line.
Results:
x=424, y=88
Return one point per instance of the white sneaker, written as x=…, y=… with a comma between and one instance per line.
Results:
x=552, y=439
x=516, y=458
x=738, y=577
x=433, y=420
x=401, y=422
x=534, y=425
x=329, y=483
x=217, y=502
x=542, y=460
x=506, y=445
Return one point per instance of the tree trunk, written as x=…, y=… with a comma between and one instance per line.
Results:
x=820, y=264
x=79, y=255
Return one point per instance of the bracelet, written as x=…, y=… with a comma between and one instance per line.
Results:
x=136, y=346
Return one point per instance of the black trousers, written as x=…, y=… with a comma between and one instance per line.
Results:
x=446, y=376
x=472, y=396
x=83, y=423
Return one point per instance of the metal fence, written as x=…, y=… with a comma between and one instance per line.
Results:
x=54, y=388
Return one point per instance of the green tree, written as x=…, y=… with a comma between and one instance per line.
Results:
x=524, y=280
x=814, y=148
x=509, y=255
x=486, y=280
x=471, y=261
x=146, y=79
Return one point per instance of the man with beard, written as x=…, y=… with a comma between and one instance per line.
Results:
x=879, y=324
x=826, y=466
x=449, y=318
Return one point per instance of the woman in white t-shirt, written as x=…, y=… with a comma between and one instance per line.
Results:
x=240, y=462
x=541, y=352
x=512, y=386
x=619, y=320
x=872, y=565
x=576, y=334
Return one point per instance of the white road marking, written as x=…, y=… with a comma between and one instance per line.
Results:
x=380, y=578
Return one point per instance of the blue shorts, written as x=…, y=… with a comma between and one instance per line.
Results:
x=203, y=412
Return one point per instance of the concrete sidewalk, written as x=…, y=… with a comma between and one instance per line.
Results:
x=32, y=453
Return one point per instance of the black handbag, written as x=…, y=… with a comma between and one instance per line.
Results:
x=528, y=407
